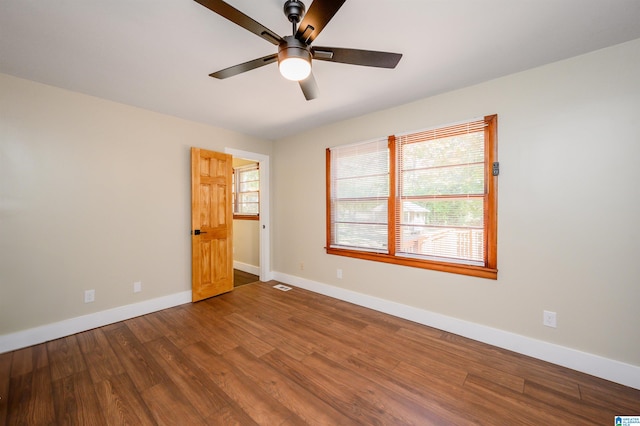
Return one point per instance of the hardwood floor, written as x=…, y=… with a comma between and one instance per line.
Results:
x=258, y=355
x=243, y=278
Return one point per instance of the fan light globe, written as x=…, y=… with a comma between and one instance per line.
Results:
x=295, y=69
x=294, y=59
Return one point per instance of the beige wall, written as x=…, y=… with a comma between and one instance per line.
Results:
x=93, y=195
x=246, y=242
x=569, y=204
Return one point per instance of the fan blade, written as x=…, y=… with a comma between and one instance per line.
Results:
x=234, y=15
x=309, y=87
x=367, y=58
x=319, y=14
x=247, y=66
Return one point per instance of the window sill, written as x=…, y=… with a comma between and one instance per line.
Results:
x=474, y=271
x=246, y=217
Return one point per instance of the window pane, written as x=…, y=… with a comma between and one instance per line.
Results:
x=252, y=175
x=465, y=212
x=443, y=228
x=361, y=187
x=450, y=170
x=451, y=180
x=443, y=243
x=362, y=236
x=359, y=196
x=246, y=199
x=248, y=208
x=361, y=160
x=249, y=186
x=361, y=211
x=460, y=149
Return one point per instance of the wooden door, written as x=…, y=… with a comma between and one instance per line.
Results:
x=211, y=224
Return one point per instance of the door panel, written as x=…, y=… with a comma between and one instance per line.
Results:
x=211, y=224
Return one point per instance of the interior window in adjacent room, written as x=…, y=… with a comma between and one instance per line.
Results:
x=246, y=192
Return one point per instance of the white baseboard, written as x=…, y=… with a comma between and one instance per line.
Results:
x=605, y=368
x=34, y=336
x=245, y=267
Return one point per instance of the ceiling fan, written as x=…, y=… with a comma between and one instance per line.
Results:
x=295, y=51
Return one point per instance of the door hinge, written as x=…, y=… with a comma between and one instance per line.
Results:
x=496, y=168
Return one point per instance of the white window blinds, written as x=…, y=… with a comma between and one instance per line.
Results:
x=246, y=186
x=359, y=196
x=440, y=211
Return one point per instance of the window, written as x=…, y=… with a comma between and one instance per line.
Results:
x=424, y=199
x=246, y=192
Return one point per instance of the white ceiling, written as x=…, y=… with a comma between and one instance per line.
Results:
x=157, y=54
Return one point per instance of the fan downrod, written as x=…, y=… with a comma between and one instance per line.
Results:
x=294, y=11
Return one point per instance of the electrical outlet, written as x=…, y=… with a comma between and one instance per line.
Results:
x=137, y=286
x=549, y=319
x=302, y=266
x=89, y=296
x=339, y=273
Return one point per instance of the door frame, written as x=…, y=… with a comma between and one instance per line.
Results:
x=265, y=229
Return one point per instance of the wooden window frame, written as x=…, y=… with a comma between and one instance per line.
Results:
x=489, y=270
x=235, y=186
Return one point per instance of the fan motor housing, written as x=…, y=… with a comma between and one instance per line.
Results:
x=291, y=47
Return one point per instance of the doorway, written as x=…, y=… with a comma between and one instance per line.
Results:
x=264, y=233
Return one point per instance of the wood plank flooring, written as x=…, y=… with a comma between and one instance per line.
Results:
x=261, y=356
x=243, y=278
